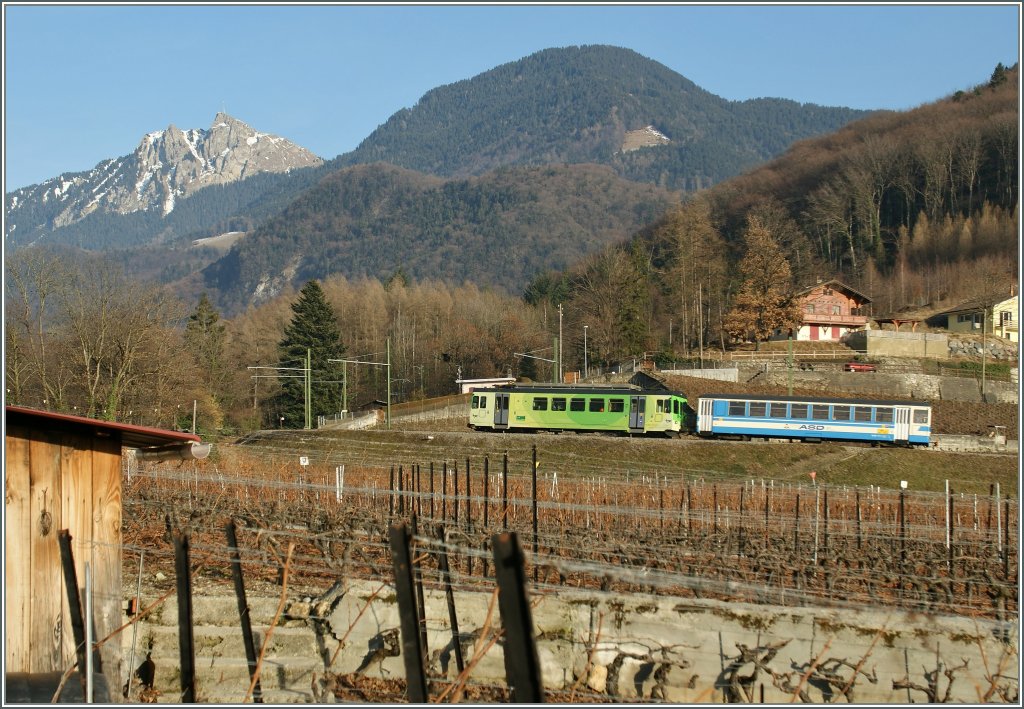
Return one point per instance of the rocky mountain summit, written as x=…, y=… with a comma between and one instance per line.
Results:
x=166, y=166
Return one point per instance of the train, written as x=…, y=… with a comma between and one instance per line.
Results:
x=624, y=410
x=628, y=410
x=814, y=419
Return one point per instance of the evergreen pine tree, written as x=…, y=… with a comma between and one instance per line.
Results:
x=204, y=336
x=314, y=328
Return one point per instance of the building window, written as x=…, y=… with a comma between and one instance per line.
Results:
x=836, y=310
x=810, y=308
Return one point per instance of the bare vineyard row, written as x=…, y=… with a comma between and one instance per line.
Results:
x=753, y=541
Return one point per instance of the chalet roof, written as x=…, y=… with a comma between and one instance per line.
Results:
x=974, y=305
x=838, y=285
x=131, y=436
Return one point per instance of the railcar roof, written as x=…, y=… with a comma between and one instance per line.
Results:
x=815, y=400
x=607, y=390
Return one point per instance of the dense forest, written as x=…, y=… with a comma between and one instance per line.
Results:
x=574, y=105
x=497, y=230
x=917, y=210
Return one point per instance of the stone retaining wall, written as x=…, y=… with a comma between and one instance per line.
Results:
x=633, y=647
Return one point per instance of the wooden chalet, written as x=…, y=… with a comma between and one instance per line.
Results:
x=63, y=477
x=831, y=309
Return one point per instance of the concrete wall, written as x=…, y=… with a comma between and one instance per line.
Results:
x=894, y=386
x=729, y=374
x=888, y=343
x=634, y=646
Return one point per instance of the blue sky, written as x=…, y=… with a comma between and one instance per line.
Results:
x=83, y=83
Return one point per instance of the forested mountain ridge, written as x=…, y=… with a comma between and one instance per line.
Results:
x=917, y=209
x=497, y=230
x=575, y=105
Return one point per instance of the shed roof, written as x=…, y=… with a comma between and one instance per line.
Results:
x=131, y=436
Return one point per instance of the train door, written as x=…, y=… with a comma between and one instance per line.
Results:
x=704, y=415
x=637, y=407
x=501, y=409
x=901, y=427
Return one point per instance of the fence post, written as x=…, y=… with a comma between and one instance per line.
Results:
x=186, y=642
x=74, y=604
x=243, y=610
x=536, y=540
x=416, y=682
x=522, y=667
x=446, y=578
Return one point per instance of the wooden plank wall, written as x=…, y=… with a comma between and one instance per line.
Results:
x=17, y=558
x=60, y=481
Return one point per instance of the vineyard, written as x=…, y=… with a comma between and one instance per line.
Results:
x=642, y=529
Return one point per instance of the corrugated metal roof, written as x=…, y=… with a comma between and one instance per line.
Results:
x=131, y=436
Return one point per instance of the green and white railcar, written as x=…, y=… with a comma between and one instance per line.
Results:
x=620, y=409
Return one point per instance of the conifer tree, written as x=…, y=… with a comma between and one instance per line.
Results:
x=204, y=337
x=314, y=328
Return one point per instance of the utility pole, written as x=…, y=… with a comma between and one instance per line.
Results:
x=700, y=323
x=308, y=392
x=389, y=383
x=561, y=375
x=586, y=369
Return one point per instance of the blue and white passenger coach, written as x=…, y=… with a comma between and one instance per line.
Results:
x=807, y=418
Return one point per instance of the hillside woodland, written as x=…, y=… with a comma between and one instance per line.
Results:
x=496, y=230
x=575, y=105
x=914, y=209
x=918, y=210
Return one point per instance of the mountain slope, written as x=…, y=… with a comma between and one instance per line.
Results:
x=498, y=230
x=577, y=105
x=166, y=167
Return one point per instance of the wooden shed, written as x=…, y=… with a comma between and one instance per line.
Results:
x=64, y=473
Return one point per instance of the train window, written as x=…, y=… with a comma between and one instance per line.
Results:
x=676, y=408
x=883, y=414
x=778, y=410
x=841, y=413
x=558, y=404
x=862, y=413
x=475, y=399
x=819, y=412
x=920, y=415
x=540, y=403
x=617, y=405
x=577, y=405
x=597, y=405
x=660, y=406
x=798, y=411
x=737, y=408
x=758, y=408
